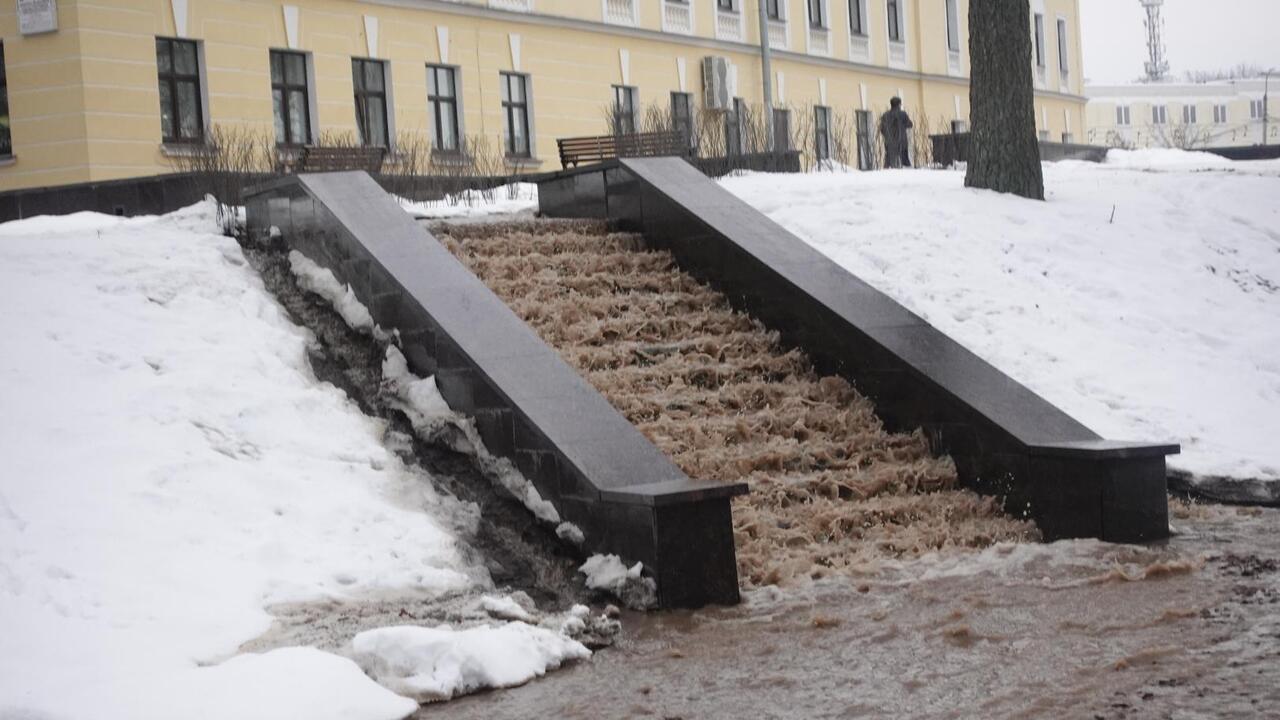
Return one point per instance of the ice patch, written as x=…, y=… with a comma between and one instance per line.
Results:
x=433, y=664
x=505, y=608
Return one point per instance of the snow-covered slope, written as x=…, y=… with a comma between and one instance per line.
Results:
x=171, y=467
x=1160, y=323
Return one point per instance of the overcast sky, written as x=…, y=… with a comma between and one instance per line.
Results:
x=1200, y=35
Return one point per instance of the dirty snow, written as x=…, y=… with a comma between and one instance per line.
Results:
x=431, y=664
x=1158, y=325
x=172, y=468
x=610, y=574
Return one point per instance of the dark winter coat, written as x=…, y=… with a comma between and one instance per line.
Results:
x=895, y=127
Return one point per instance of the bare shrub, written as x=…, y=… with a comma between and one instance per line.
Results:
x=232, y=158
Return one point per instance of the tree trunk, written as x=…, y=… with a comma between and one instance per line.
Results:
x=1004, y=153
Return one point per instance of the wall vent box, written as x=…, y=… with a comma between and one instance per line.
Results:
x=715, y=82
x=37, y=16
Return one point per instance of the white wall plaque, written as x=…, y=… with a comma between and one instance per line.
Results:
x=37, y=16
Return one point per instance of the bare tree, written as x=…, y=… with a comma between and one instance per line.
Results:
x=1004, y=153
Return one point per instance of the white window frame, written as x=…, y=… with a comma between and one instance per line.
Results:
x=859, y=44
x=1124, y=116
x=1159, y=115
x=818, y=39
x=1220, y=114
x=632, y=21
x=512, y=5
x=899, y=55
x=1255, y=109
x=729, y=22
x=951, y=15
x=1062, y=30
x=688, y=8
x=1189, y=114
x=780, y=29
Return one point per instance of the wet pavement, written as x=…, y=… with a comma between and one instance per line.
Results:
x=1185, y=629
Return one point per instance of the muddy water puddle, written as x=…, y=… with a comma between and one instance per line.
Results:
x=1185, y=629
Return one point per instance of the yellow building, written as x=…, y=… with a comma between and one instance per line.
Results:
x=85, y=80
x=1220, y=114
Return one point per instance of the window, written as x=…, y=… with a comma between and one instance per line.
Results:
x=773, y=8
x=1064, y=63
x=291, y=98
x=1039, y=40
x=181, y=116
x=822, y=133
x=894, y=9
x=1159, y=114
x=862, y=125
x=624, y=109
x=953, y=27
x=1256, y=110
x=1220, y=114
x=1188, y=114
x=725, y=5
x=442, y=106
x=370, y=81
x=1068, y=138
x=515, y=113
x=817, y=18
x=682, y=115
x=1044, y=136
x=959, y=126
x=733, y=128
x=6, y=139
x=1122, y=115
x=781, y=130
x=857, y=17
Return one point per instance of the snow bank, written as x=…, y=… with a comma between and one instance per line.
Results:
x=430, y=664
x=172, y=468
x=1166, y=159
x=322, y=282
x=608, y=573
x=507, y=200
x=420, y=400
x=1157, y=325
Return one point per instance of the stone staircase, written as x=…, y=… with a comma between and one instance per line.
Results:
x=831, y=490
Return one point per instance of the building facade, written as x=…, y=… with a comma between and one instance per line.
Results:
x=107, y=89
x=1227, y=113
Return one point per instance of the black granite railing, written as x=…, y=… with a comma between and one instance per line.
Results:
x=528, y=404
x=1006, y=440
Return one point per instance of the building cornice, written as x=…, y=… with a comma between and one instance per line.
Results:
x=560, y=21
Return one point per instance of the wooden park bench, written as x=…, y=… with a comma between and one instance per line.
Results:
x=575, y=151
x=332, y=159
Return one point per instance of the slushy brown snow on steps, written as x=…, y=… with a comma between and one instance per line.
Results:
x=831, y=490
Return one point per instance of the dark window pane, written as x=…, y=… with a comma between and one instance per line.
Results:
x=184, y=58
x=189, y=110
x=277, y=68
x=163, y=60
x=166, y=110
x=373, y=76
x=277, y=100
x=295, y=69
x=298, y=130
x=448, y=127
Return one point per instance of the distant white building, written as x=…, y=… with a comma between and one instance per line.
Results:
x=1226, y=113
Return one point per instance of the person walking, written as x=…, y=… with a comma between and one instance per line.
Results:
x=895, y=129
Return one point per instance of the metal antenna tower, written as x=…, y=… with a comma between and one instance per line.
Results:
x=1157, y=66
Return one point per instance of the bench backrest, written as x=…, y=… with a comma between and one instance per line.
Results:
x=578, y=150
x=334, y=159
